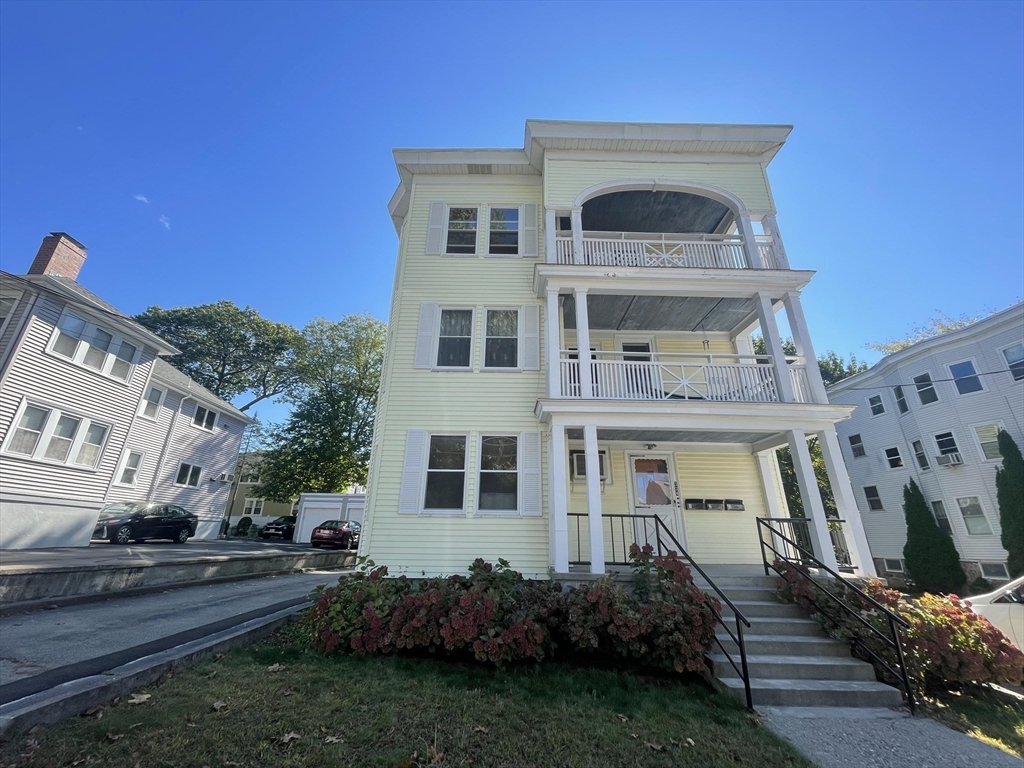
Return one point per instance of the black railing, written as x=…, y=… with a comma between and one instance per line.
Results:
x=837, y=604
x=651, y=530
x=799, y=528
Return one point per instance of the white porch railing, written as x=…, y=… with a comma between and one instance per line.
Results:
x=631, y=249
x=670, y=376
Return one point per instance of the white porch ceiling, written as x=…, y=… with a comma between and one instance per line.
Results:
x=608, y=312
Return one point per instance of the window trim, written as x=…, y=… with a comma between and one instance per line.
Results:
x=887, y=560
x=10, y=293
x=945, y=516
x=478, y=511
x=1001, y=426
x=122, y=464
x=984, y=516
x=251, y=512
x=81, y=350
x=472, y=339
x=902, y=406
x=931, y=384
x=1009, y=371
x=881, y=404
x=878, y=497
x=860, y=444
x=487, y=236
x=55, y=412
x=447, y=221
x=202, y=472
x=216, y=418
x=518, y=337
x=145, y=401
x=426, y=477
x=1005, y=575
x=889, y=459
x=981, y=380
x=581, y=480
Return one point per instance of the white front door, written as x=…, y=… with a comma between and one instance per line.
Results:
x=654, y=491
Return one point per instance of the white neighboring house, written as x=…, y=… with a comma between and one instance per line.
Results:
x=89, y=414
x=931, y=412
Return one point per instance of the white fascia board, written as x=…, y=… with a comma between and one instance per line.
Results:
x=411, y=158
x=557, y=129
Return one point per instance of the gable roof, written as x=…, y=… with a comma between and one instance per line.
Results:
x=184, y=384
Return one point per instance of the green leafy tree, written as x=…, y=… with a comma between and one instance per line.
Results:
x=1010, y=495
x=230, y=351
x=931, y=557
x=324, y=445
x=833, y=367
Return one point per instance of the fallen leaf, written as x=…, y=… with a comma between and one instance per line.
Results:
x=134, y=725
x=480, y=729
x=219, y=705
x=691, y=742
x=211, y=675
x=31, y=744
x=289, y=737
x=623, y=718
x=655, y=747
x=111, y=736
x=140, y=698
x=275, y=667
x=218, y=657
x=633, y=735
x=37, y=729
x=231, y=763
x=287, y=692
x=94, y=711
x=333, y=740
x=436, y=757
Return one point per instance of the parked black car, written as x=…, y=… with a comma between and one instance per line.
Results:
x=282, y=526
x=125, y=522
x=343, y=534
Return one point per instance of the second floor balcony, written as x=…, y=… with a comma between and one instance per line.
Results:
x=638, y=249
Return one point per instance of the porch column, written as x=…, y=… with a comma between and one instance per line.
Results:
x=583, y=343
x=559, y=520
x=553, y=343
x=814, y=510
x=594, y=500
x=804, y=348
x=550, y=254
x=773, y=345
x=767, y=468
x=749, y=242
x=576, y=216
x=771, y=228
x=846, y=503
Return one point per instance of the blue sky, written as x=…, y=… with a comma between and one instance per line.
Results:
x=260, y=136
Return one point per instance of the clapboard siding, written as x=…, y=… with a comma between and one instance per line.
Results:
x=1002, y=401
x=677, y=343
x=565, y=179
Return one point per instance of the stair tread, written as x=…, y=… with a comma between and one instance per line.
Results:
x=749, y=636
x=762, y=658
x=787, y=684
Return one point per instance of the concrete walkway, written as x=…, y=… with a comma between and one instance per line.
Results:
x=882, y=739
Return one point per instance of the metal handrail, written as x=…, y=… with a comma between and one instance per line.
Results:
x=894, y=619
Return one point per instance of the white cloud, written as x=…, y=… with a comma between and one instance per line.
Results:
x=165, y=221
x=142, y=198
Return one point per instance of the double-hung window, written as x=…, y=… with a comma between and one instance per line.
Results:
x=893, y=458
x=130, y=470
x=974, y=516
x=204, y=418
x=455, y=339
x=188, y=475
x=253, y=507
x=1015, y=361
x=503, y=232
x=460, y=239
x=874, y=500
x=94, y=347
x=857, y=447
x=988, y=440
x=941, y=518
x=965, y=377
x=877, y=406
x=151, y=402
x=499, y=473
x=446, y=474
x=925, y=389
x=920, y=455
x=501, y=345
x=47, y=434
x=901, y=399
x=946, y=443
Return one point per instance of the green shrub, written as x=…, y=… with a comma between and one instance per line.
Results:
x=243, y=526
x=946, y=646
x=930, y=554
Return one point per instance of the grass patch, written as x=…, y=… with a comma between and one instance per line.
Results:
x=390, y=712
x=986, y=714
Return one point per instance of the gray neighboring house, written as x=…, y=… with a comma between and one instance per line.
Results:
x=90, y=414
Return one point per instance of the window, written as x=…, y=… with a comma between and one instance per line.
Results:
x=47, y=434
x=499, y=473
x=874, y=500
x=503, y=232
x=988, y=441
x=965, y=378
x=974, y=516
x=151, y=403
x=995, y=571
x=252, y=476
x=946, y=443
x=1015, y=361
x=455, y=339
x=893, y=566
x=857, y=447
x=901, y=400
x=502, y=338
x=462, y=228
x=446, y=473
x=892, y=456
x=130, y=470
x=188, y=474
x=925, y=389
x=877, y=407
x=253, y=507
x=87, y=344
x=941, y=518
x=919, y=454
x=204, y=418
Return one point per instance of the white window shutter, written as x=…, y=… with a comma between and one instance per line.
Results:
x=529, y=245
x=529, y=337
x=412, y=472
x=530, y=505
x=435, y=227
x=426, y=336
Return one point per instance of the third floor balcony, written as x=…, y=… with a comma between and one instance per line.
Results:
x=639, y=249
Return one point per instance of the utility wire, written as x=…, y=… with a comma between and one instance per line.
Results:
x=934, y=381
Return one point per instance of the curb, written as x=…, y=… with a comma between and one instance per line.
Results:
x=69, y=699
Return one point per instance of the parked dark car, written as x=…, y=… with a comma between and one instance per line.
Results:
x=343, y=534
x=283, y=527
x=125, y=522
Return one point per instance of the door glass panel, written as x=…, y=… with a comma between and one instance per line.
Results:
x=638, y=351
x=653, y=483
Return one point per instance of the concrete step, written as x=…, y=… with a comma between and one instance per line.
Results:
x=816, y=693
x=764, y=609
x=763, y=594
x=797, y=667
x=727, y=583
x=783, y=625
x=786, y=645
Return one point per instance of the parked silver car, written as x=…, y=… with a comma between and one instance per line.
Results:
x=1004, y=607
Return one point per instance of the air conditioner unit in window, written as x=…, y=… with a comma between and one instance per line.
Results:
x=226, y=477
x=949, y=460
x=578, y=464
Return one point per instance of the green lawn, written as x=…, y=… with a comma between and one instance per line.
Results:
x=391, y=712
x=986, y=714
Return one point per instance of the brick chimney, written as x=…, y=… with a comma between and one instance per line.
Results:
x=60, y=254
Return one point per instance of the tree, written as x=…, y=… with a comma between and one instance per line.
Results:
x=324, y=445
x=934, y=326
x=833, y=367
x=1010, y=496
x=931, y=557
x=230, y=351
